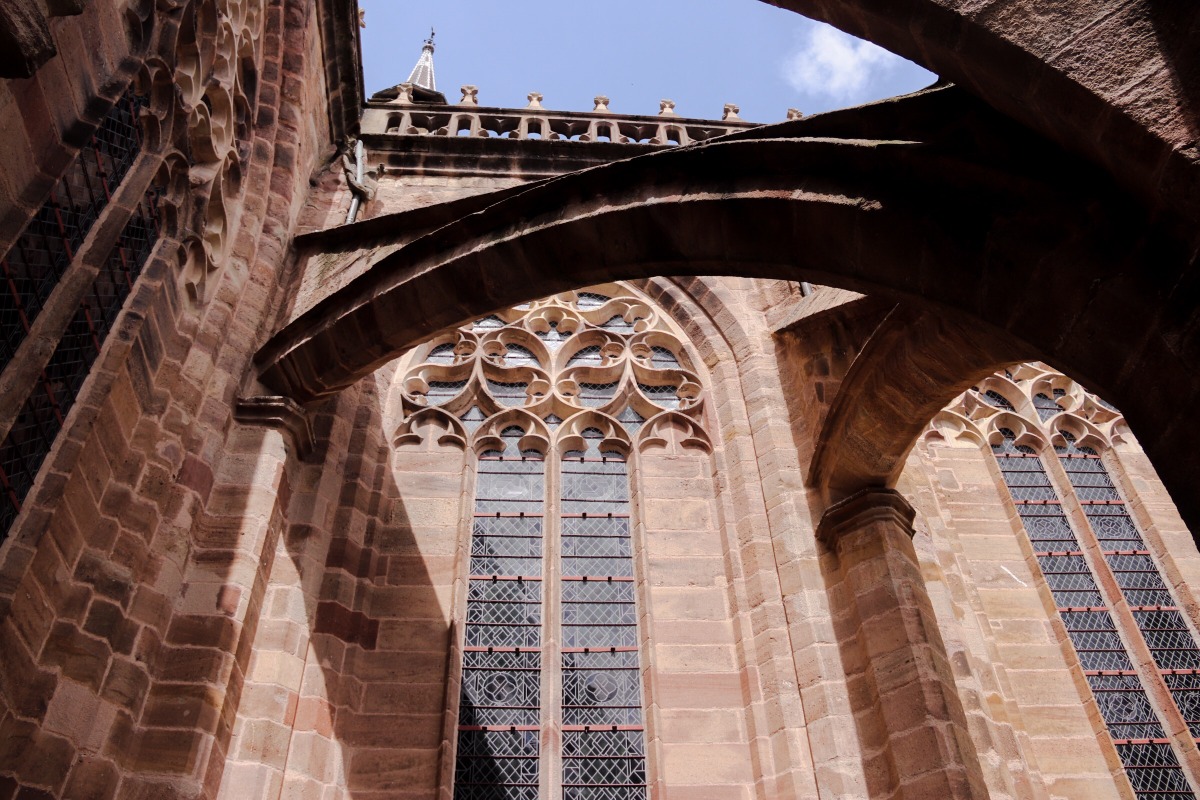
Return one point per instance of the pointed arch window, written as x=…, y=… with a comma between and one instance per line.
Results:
x=32, y=270
x=551, y=697
x=1138, y=732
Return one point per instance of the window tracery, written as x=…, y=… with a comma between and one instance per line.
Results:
x=556, y=393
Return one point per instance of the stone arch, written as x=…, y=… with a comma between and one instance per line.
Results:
x=1058, y=75
x=536, y=437
x=674, y=432
x=1026, y=432
x=886, y=219
x=1085, y=433
x=570, y=435
x=430, y=427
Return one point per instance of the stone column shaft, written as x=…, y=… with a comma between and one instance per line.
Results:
x=924, y=726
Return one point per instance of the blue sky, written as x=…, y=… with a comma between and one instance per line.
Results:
x=699, y=53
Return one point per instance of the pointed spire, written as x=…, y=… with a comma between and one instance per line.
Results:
x=422, y=74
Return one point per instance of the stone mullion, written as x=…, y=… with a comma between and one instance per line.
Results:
x=924, y=727
x=1127, y=626
x=551, y=714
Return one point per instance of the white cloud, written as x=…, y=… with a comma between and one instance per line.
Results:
x=835, y=65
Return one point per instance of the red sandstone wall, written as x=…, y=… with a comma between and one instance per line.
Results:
x=134, y=578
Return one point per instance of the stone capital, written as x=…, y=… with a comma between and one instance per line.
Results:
x=863, y=508
x=281, y=413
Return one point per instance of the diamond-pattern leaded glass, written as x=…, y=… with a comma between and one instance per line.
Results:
x=588, y=356
x=599, y=613
x=501, y=688
x=472, y=419
x=37, y=260
x=1045, y=406
x=586, y=301
x=517, y=356
x=1070, y=581
x=994, y=398
x=618, y=324
x=44, y=412
x=1154, y=608
x=604, y=765
x=601, y=748
x=594, y=395
x=489, y=323
x=597, y=546
x=501, y=677
x=443, y=391
x=1139, y=580
x=1185, y=689
x=553, y=338
x=1126, y=709
x=1096, y=640
x=497, y=765
x=1152, y=768
x=601, y=678
x=664, y=396
x=508, y=394
x=1169, y=639
x=602, y=687
x=506, y=545
x=442, y=354
x=1154, y=771
x=631, y=420
x=662, y=358
x=504, y=613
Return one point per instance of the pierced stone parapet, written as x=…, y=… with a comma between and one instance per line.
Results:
x=467, y=119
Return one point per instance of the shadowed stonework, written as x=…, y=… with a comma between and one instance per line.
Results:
x=358, y=448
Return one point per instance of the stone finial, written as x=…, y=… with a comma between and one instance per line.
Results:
x=794, y=113
x=666, y=108
x=404, y=94
x=470, y=95
x=601, y=103
x=731, y=112
x=535, y=100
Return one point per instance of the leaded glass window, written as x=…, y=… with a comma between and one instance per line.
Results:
x=1134, y=724
x=500, y=708
x=1141, y=583
x=551, y=601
